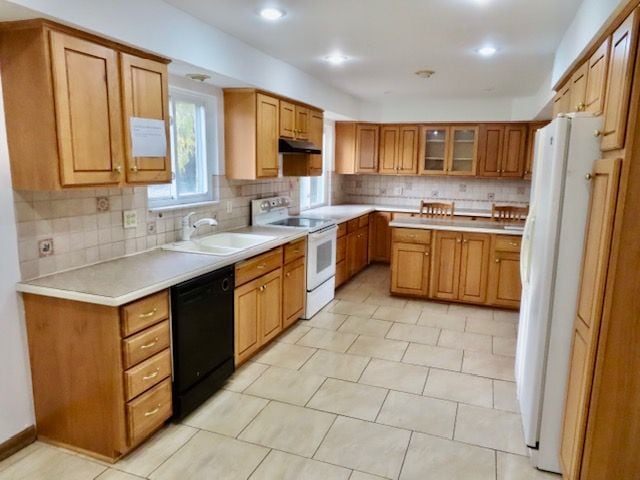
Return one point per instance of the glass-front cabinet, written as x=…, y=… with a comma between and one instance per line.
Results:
x=434, y=150
x=448, y=150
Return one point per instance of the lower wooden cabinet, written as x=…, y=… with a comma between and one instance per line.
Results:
x=505, y=287
x=445, y=272
x=474, y=265
x=355, y=247
x=410, y=269
x=101, y=375
x=293, y=291
x=380, y=237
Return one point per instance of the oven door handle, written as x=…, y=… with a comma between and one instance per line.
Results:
x=327, y=232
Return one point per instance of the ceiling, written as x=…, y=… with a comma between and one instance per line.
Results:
x=387, y=41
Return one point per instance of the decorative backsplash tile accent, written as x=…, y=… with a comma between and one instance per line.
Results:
x=473, y=193
x=83, y=232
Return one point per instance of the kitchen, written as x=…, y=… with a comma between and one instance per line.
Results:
x=318, y=272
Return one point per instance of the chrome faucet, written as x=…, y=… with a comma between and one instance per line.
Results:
x=189, y=229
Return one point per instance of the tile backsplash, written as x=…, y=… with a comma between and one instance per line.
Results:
x=62, y=230
x=471, y=193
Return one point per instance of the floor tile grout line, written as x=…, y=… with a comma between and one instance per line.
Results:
x=260, y=463
x=375, y=420
x=252, y=420
x=455, y=422
x=197, y=430
x=406, y=452
x=315, y=452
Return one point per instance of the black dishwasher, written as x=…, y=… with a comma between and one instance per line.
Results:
x=202, y=329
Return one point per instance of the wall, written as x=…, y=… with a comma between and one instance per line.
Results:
x=16, y=405
x=471, y=193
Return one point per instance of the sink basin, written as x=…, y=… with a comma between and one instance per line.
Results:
x=220, y=244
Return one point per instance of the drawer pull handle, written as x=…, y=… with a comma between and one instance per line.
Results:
x=151, y=375
x=149, y=345
x=497, y=260
x=148, y=314
x=514, y=244
x=153, y=412
x=261, y=266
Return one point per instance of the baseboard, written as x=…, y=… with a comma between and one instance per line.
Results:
x=17, y=442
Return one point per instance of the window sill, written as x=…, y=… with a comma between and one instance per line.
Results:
x=182, y=206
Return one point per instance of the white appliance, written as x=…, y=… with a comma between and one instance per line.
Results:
x=551, y=260
x=321, y=247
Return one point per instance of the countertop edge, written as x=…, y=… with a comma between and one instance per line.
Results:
x=400, y=224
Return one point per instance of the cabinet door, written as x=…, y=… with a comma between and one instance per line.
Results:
x=604, y=192
x=316, y=130
x=490, y=150
x=577, y=102
x=287, y=119
x=367, y=148
x=434, y=150
x=380, y=237
x=407, y=157
x=363, y=248
x=514, y=151
x=88, y=111
x=302, y=122
x=345, y=148
x=293, y=291
x=445, y=267
x=623, y=47
x=145, y=94
x=597, y=79
x=474, y=267
x=389, y=149
x=342, y=274
x=270, y=305
x=464, y=151
x=247, y=333
x=410, y=269
x=352, y=254
x=267, y=130
x=504, y=279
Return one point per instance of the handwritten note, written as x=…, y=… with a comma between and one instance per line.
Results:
x=148, y=137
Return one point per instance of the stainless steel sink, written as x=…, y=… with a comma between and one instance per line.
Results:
x=220, y=244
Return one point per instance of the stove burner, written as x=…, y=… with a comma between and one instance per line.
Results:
x=300, y=222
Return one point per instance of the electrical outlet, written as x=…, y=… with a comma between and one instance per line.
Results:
x=130, y=219
x=152, y=228
x=229, y=206
x=45, y=247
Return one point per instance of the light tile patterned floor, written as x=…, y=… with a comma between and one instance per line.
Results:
x=372, y=387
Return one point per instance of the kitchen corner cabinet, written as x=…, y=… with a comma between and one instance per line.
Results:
x=251, y=133
x=101, y=375
x=502, y=150
x=258, y=303
x=399, y=149
x=71, y=126
x=356, y=148
x=304, y=165
x=380, y=237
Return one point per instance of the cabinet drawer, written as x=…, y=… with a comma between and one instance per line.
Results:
x=145, y=312
x=341, y=273
x=147, y=374
x=363, y=221
x=507, y=243
x=149, y=411
x=295, y=250
x=341, y=249
x=411, y=235
x=143, y=345
x=352, y=225
x=342, y=229
x=257, y=266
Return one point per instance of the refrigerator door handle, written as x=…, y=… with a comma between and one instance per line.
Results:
x=525, y=253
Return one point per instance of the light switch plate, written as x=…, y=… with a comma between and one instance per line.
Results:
x=229, y=206
x=130, y=219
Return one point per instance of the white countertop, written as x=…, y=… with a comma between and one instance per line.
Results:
x=123, y=280
x=458, y=225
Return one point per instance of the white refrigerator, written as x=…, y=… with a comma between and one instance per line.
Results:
x=551, y=260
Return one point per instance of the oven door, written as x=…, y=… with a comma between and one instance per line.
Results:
x=321, y=256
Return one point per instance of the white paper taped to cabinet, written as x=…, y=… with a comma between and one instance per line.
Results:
x=148, y=137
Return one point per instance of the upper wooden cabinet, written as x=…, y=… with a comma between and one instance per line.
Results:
x=531, y=144
x=562, y=100
x=356, y=148
x=578, y=93
x=623, y=45
x=304, y=165
x=448, y=150
x=294, y=120
x=598, y=66
x=502, y=150
x=463, y=150
x=434, y=150
x=71, y=126
x=398, y=149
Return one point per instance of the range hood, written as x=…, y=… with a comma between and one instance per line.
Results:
x=286, y=145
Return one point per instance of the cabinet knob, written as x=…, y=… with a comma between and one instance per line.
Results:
x=597, y=133
x=117, y=169
x=588, y=177
x=134, y=168
x=497, y=260
x=288, y=274
x=426, y=254
x=465, y=241
x=580, y=107
x=458, y=240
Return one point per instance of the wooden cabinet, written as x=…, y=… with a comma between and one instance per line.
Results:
x=302, y=122
x=294, y=120
x=531, y=144
x=604, y=191
x=101, y=375
x=463, y=150
x=460, y=266
x=434, y=150
x=398, y=149
x=258, y=303
x=620, y=75
x=306, y=165
x=502, y=150
x=342, y=268
x=294, y=282
x=578, y=93
x=448, y=150
x=562, y=100
x=598, y=65
x=71, y=127
x=357, y=251
x=380, y=237
x=356, y=148
x=504, y=271
x=410, y=262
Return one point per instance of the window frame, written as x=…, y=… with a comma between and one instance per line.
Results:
x=208, y=141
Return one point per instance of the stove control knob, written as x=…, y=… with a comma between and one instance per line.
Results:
x=264, y=205
x=285, y=202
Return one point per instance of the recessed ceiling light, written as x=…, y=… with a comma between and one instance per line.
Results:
x=272, y=14
x=487, y=51
x=336, y=58
x=425, y=73
x=200, y=77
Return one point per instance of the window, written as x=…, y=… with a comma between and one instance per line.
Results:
x=193, y=153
